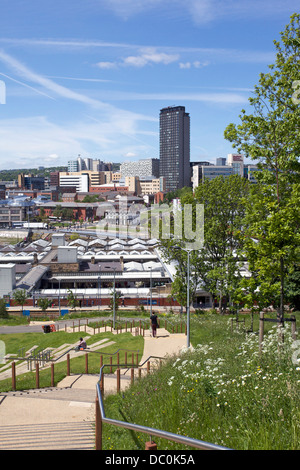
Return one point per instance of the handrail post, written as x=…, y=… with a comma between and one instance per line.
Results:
x=148, y=367
x=37, y=375
x=52, y=374
x=13, y=374
x=261, y=330
x=118, y=381
x=98, y=430
x=132, y=375
x=86, y=363
x=102, y=383
x=68, y=364
x=150, y=445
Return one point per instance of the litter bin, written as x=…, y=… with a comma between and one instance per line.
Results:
x=46, y=328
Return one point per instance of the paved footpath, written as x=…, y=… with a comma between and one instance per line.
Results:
x=73, y=400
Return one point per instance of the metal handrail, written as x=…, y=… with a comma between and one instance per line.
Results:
x=32, y=358
x=196, y=443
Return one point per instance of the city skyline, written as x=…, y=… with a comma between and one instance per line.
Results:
x=90, y=77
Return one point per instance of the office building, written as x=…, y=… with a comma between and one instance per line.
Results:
x=79, y=181
x=90, y=164
x=200, y=173
x=236, y=161
x=141, y=168
x=31, y=182
x=175, y=147
x=221, y=161
x=152, y=185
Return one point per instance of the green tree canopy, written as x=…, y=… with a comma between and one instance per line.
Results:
x=270, y=136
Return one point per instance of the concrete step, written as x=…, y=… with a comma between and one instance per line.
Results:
x=52, y=436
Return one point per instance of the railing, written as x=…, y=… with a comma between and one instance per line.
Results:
x=40, y=357
x=101, y=418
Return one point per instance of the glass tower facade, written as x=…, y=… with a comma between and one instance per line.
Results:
x=175, y=147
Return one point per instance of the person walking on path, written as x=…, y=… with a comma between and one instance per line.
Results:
x=154, y=324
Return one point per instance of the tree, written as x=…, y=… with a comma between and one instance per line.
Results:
x=270, y=136
x=115, y=299
x=224, y=210
x=72, y=299
x=58, y=211
x=293, y=288
x=214, y=267
x=20, y=296
x=44, y=303
x=3, y=310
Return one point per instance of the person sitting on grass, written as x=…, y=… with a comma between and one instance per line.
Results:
x=81, y=345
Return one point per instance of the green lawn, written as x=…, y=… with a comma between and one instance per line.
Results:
x=123, y=342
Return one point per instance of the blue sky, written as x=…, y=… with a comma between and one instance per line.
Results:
x=89, y=77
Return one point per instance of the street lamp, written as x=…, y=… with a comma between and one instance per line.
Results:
x=98, y=292
x=150, y=292
x=114, y=317
x=187, y=294
x=59, y=295
x=99, y=298
x=57, y=280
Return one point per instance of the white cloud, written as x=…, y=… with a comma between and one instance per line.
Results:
x=197, y=64
x=150, y=56
x=106, y=65
x=186, y=65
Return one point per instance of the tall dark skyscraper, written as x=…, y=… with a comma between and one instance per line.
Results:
x=174, y=143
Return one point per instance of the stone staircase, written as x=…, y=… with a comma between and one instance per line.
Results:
x=52, y=436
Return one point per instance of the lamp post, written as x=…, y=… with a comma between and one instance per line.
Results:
x=187, y=295
x=59, y=296
x=150, y=292
x=57, y=280
x=114, y=311
x=98, y=292
x=99, y=298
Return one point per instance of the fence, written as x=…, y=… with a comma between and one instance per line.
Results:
x=279, y=321
x=39, y=358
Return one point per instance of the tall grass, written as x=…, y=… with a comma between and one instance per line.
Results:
x=224, y=392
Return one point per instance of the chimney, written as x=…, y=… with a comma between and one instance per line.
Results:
x=93, y=260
